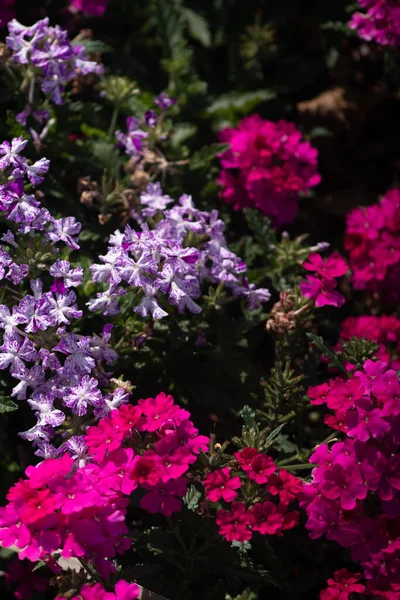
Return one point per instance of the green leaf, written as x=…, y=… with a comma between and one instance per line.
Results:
x=273, y=435
x=205, y=155
x=192, y=497
x=7, y=405
x=107, y=155
x=326, y=351
x=236, y=103
x=181, y=133
x=94, y=46
x=198, y=27
x=249, y=417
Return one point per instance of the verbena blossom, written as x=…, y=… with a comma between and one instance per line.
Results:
x=161, y=266
x=373, y=243
x=342, y=586
x=122, y=591
x=354, y=494
x=269, y=517
x=80, y=511
x=384, y=330
x=90, y=8
x=321, y=286
x=52, y=59
x=274, y=165
x=134, y=144
x=68, y=373
x=380, y=22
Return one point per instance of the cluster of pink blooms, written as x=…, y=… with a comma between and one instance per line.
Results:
x=80, y=512
x=380, y=21
x=122, y=591
x=273, y=164
x=354, y=495
x=373, y=242
x=267, y=517
x=342, y=586
x=384, y=330
x=321, y=286
x=90, y=8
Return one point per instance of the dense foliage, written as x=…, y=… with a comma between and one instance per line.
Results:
x=195, y=402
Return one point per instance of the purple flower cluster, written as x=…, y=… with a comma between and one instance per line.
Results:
x=55, y=369
x=50, y=56
x=354, y=496
x=137, y=129
x=380, y=22
x=169, y=263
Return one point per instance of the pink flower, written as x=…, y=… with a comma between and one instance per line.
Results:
x=90, y=8
x=380, y=23
x=342, y=585
x=144, y=470
x=164, y=497
x=234, y=525
x=245, y=457
x=267, y=519
x=161, y=410
x=286, y=485
x=272, y=166
x=220, y=484
x=322, y=291
x=331, y=267
x=261, y=468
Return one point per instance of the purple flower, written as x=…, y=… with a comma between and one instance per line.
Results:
x=15, y=350
x=9, y=153
x=154, y=200
x=65, y=230
x=84, y=393
x=164, y=102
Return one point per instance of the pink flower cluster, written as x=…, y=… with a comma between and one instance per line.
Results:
x=354, y=496
x=81, y=512
x=380, y=22
x=342, y=586
x=122, y=591
x=169, y=443
x=90, y=8
x=373, y=242
x=274, y=165
x=267, y=517
x=21, y=576
x=320, y=287
x=57, y=509
x=384, y=330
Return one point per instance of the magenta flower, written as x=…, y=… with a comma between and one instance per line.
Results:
x=331, y=267
x=271, y=166
x=342, y=586
x=220, y=484
x=321, y=291
x=90, y=8
x=267, y=519
x=234, y=525
x=164, y=497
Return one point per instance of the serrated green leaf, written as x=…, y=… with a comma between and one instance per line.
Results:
x=273, y=435
x=205, y=155
x=326, y=351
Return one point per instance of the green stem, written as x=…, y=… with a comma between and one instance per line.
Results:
x=113, y=121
